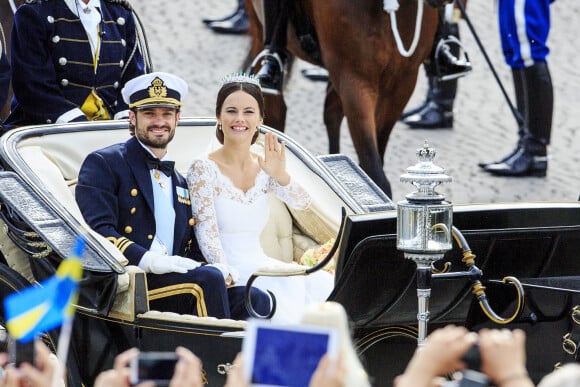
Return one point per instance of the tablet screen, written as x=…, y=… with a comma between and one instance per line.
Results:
x=285, y=355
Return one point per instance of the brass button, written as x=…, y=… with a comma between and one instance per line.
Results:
x=128, y=229
x=149, y=236
x=133, y=210
x=188, y=202
x=134, y=192
x=191, y=221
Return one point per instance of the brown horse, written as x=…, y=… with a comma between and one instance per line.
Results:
x=7, y=8
x=370, y=82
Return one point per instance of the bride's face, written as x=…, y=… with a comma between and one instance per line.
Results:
x=240, y=117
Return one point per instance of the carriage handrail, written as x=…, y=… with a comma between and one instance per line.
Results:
x=291, y=272
x=474, y=274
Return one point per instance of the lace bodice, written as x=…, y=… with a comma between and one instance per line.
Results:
x=228, y=220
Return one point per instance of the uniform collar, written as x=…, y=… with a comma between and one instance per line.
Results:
x=77, y=6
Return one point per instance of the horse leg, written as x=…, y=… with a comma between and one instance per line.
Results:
x=275, y=114
x=255, y=31
x=333, y=116
x=359, y=110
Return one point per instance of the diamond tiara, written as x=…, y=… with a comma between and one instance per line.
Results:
x=241, y=78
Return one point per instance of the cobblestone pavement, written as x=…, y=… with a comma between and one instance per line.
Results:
x=484, y=126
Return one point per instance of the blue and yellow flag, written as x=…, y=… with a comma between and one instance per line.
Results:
x=41, y=308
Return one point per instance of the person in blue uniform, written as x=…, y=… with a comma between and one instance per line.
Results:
x=70, y=60
x=524, y=28
x=133, y=196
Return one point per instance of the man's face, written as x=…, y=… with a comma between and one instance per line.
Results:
x=155, y=127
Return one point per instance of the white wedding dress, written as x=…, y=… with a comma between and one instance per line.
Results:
x=228, y=227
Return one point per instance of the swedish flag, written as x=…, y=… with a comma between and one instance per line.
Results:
x=41, y=308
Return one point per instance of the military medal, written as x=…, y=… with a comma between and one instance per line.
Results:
x=157, y=176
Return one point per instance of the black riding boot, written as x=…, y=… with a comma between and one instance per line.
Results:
x=437, y=110
x=236, y=23
x=521, y=105
x=271, y=73
x=531, y=157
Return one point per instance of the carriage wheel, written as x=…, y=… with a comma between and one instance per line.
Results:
x=385, y=352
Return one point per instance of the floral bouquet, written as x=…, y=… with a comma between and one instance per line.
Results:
x=313, y=256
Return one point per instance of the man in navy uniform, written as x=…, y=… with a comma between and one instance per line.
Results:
x=133, y=196
x=70, y=60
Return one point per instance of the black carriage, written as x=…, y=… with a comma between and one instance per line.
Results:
x=535, y=242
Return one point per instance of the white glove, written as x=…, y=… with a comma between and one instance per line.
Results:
x=161, y=264
x=227, y=270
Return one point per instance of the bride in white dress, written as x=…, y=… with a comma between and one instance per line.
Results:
x=229, y=194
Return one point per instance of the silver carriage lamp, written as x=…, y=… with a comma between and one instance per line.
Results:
x=424, y=222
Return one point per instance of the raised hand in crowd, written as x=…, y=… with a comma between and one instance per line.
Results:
x=440, y=355
x=503, y=357
x=328, y=374
x=187, y=372
x=39, y=375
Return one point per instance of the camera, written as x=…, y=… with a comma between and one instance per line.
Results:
x=157, y=367
x=471, y=377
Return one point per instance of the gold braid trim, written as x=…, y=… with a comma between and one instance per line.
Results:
x=121, y=243
x=188, y=288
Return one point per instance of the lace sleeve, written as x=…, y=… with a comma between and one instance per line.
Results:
x=200, y=180
x=292, y=194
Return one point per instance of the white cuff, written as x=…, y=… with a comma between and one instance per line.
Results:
x=70, y=115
